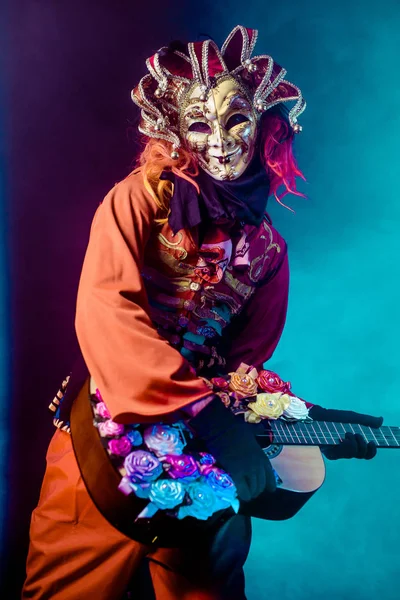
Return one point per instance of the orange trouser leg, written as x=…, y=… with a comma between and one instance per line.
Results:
x=76, y=554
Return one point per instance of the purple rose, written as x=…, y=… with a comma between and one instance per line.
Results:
x=142, y=466
x=120, y=447
x=166, y=494
x=204, y=502
x=102, y=411
x=182, y=466
x=135, y=437
x=110, y=429
x=163, y=439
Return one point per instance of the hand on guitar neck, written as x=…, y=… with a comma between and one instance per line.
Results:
x=353, y=445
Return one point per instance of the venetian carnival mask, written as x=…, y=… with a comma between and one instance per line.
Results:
x=210, y=100
x=221, y=131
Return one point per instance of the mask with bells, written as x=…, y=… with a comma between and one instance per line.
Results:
x=210, y=100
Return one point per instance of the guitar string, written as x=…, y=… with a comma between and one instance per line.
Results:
x=381, y=431
x=318, y=440
x=378, y=437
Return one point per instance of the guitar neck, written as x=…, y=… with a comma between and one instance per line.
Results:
x=323, y=433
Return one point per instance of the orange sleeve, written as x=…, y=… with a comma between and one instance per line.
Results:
x=136, y=370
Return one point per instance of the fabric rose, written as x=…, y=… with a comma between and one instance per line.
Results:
x=243, y=385
x=220, y=383
x=110, y=429
x=181, y=466
x=223, y=486
x=166, y=494
x=297, y=409
x=206, y=462
x=271, y=382
x=163, y=439
x=142, y=466
x=102, y=410
x=204, y=502
x=270, y=406
x=141, y=490
x=120, y=447
x=206, y=458
x=98, y=395
x=135, y=437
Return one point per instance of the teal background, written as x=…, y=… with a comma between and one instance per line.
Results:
x=69, y=71
x=340, y=345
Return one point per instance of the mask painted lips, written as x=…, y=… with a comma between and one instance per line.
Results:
x=225, y=159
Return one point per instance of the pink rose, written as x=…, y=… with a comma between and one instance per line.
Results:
x=271, y=382
x=120, y=447
x=110, y=429
x=163, y=439
x=102, y=410
x=182, y=466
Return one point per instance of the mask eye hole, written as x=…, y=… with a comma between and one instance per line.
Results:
x=236, y=120
x=200, y=127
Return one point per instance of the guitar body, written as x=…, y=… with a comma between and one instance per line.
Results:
x=301, y=472
x=300, y=468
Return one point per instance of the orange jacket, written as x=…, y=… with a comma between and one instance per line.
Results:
x=140, y=373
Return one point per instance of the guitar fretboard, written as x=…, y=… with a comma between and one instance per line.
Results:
x=322, y=433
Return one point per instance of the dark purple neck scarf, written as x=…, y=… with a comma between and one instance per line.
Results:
x=244, y=199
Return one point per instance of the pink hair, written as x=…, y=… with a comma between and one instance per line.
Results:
x=277, y=156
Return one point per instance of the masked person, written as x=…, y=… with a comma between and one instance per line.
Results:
x=184, y=279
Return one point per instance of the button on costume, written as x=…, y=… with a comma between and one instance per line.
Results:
x=183, y=292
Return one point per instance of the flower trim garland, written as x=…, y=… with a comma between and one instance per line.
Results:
x=152, y=460
x=154, y=465
x=259, y=395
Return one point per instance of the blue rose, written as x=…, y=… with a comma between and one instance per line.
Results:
x=166, y=494
x=135, y=437
x=206, y=459
x=221, y=483
x=223, y=486
x=204, y=502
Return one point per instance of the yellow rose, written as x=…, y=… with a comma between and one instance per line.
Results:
x=243, y=385
x=270, y=405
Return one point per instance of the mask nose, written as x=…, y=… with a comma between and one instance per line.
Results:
x=220, y=139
